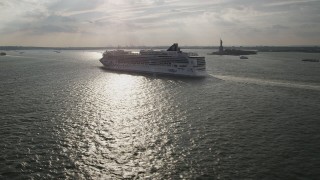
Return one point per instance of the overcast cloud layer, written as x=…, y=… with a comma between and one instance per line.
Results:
x=159, y=22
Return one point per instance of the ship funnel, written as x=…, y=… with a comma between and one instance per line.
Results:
x=174, y=47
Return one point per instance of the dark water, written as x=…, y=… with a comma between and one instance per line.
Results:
x=63, y=116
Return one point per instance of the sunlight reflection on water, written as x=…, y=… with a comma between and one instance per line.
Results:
x=122, y=128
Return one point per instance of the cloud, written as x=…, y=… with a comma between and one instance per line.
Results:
x=161, y=21
x=287, y=3
x=73, y=5
x=278, y=26
x=44, y=29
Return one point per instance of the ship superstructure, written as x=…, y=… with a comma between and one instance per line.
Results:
x=173, y=61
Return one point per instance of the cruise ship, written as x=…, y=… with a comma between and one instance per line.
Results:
x=172, y=62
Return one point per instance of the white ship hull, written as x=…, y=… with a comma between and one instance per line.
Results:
x=190, y=72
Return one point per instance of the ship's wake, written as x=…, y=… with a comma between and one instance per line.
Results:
x=268, y=82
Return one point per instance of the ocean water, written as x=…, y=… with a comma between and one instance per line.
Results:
x=62, y=116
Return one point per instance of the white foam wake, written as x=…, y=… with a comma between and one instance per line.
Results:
x=268, y=82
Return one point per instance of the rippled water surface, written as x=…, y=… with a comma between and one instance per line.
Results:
x=63, y=116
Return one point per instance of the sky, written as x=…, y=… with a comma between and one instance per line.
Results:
x=85, y=23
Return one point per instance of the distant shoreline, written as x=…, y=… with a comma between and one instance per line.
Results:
x=306, y=49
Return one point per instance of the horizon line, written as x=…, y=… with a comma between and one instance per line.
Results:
x=133, y=46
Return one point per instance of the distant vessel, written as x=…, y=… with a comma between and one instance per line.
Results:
x=56, y=51
x=311, y=60
x=3, y=54
x=173, y=62
x=235, y=52
x=244, y=57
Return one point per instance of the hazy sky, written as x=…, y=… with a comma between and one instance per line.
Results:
x=159, y=22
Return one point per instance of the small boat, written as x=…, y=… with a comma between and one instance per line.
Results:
x=244, y=57
x=3, y=54
x=56, y=51
x=311, y=60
